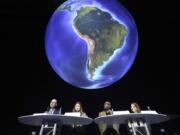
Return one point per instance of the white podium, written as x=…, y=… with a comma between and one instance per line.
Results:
x=143, y=118
x=51, y=121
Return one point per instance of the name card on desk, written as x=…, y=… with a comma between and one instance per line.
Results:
x=149, y=112
x=36, y=114
x=73, y=114
x=120, y=112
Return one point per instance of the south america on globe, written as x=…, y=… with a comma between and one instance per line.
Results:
x=91, y=44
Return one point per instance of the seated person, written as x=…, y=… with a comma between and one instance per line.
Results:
x=139, y=125
x=78, y=129
x=52, y=108
x=104, y=128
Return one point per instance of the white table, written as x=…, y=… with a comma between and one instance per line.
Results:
x=133, y=117
x=44, y=120
x=123, y=118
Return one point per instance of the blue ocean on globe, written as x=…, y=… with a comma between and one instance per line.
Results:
x=91, y=44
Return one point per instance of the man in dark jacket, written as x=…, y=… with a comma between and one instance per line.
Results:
x=52, y=109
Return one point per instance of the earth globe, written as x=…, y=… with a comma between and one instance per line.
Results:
x=91, y=44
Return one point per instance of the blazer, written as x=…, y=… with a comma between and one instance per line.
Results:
x=56, y=111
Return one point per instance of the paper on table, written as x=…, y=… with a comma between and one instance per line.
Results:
x=40, y=114
x=121, y=112
x=149, y=112
x=72, y=114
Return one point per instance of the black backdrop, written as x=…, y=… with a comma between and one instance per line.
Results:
x=28, y=82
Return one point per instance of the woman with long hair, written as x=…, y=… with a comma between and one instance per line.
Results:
x=78, y=129
x=78, y=108
x=135, y=108
x=138, y=124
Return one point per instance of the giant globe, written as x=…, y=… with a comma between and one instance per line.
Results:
x=91, y=44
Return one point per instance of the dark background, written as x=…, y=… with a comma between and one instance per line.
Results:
x=28, y=82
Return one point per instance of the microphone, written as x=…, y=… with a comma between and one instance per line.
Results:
x=112, y=111
x=148, y=108
x=151, y=110
x=60, y=111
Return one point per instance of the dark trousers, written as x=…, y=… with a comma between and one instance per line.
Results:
x=77, y=131
x=110, y=131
